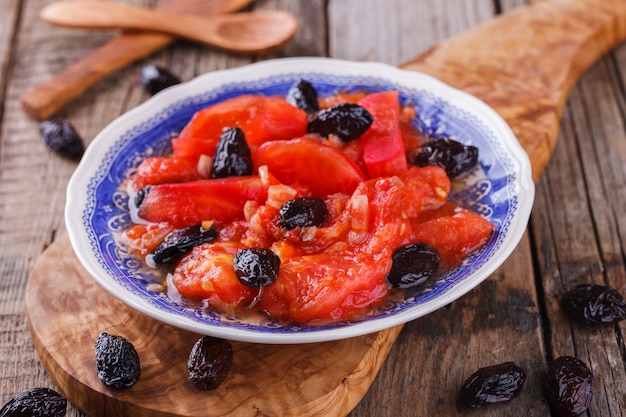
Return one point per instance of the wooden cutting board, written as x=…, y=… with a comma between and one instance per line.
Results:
x=522, y=63
x=67, y=310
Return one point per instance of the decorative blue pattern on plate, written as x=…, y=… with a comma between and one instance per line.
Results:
x=97, y=208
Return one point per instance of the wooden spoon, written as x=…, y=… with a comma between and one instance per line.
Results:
x=254, y=32
x=46, y=99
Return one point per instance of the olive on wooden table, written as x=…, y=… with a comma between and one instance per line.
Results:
x=35, y=402
x=568, y=385
x=117, y=361
x=60, y=136
x=591, y=303
x=492, y=384
x=154, y=78
x=209, y=362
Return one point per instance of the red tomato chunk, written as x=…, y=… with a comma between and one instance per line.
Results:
x=296, y=161
x=329, y=272
x=383, y=146
x=188, y=203
x=261, y=118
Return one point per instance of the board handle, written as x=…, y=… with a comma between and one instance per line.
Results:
x=523, y=63
x=48, y=98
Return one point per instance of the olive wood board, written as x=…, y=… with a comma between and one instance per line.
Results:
x=67, y=310
x=522, y=63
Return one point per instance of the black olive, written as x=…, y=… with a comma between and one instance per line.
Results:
x=141, y=194
x=568, y=385
x=591, y=303
x=155, y=79
x=256, y=267
x=346, y=120
x=209, y=362
x=412, y=265
x=35, y=402
x=304, y=96
x=61, y=137
x=117, y=361
x=182, y=241
x=457, y=159
x=492, y=384
x=303, y=212
x=232, y=156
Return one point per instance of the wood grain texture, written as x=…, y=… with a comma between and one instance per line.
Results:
x=46, y=99
x=8, y=22
x=31, y=200
x=577, y=222
x=67, y=310
x=523, y=63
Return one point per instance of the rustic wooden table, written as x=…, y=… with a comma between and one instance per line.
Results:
x=577, y=231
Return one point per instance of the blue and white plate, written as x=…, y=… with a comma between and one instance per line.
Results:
x=501, y=189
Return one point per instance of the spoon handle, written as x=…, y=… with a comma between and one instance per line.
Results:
x=252, y=32
x=46, y=99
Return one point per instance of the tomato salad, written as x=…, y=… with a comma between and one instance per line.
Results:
x=308, y=209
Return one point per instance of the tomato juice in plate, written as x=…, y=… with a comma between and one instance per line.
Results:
x=355, y=153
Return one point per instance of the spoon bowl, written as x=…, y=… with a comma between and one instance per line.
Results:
x=245, y=33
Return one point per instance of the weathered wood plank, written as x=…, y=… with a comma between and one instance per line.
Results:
x=576, y=222
x=8, y=22
x=310, y=40
x=395, y=31
x=576, y=226
x=24, y=177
